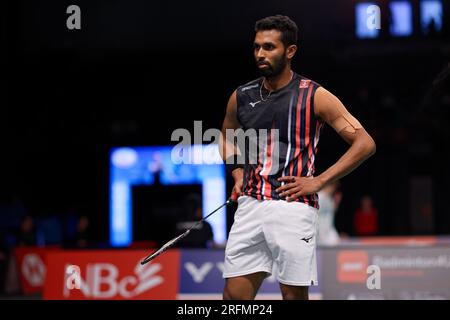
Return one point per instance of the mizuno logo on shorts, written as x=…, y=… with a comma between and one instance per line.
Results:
x=307, y=239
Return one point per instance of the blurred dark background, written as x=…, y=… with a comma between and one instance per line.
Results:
x=139, y=69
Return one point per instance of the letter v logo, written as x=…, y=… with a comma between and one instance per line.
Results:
x=198, y=274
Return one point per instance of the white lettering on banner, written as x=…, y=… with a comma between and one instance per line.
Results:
x=412, y=262
x=352, y=266
x=123, y=286
x=103, y=281
x=198, y=275
x=95, y=273
x=84, y=288
x=147, y=277
x=73, y=280
x=374, y=280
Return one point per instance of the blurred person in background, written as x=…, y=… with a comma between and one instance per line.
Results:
x=366, y=218
x=329, y=200
x=201, y=237
x=27, y=232
x=82, y=239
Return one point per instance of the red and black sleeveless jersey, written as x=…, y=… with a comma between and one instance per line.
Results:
x=287, y=133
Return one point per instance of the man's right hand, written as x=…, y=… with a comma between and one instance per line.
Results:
x=238, y=176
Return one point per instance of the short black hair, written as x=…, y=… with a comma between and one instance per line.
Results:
x=287, y=27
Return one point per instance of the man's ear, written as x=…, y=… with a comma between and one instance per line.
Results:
x=290, y=51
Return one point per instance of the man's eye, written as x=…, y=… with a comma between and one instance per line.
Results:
x=268, y=47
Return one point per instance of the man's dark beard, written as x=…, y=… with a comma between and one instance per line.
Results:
x=275, y=69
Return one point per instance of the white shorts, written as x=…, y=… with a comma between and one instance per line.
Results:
x=273, y=231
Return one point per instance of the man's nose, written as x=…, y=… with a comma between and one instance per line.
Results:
x=260, y=54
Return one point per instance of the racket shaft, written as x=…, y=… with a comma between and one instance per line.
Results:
x=175, y=240
x=165, y=247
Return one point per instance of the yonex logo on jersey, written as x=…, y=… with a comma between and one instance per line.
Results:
x=304, y=83
x=249, y=87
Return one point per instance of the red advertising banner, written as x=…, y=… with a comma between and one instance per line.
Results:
x=109, y=274
x=31, y=266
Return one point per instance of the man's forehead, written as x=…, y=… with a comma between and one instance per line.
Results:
x=272, y=35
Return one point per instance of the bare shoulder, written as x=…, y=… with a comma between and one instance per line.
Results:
x=232, y=103
x=331, y=110
x=231, y=121
x=325, y=102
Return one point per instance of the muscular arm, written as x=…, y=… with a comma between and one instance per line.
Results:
x=227, y=148
x=332, y=111
x=362, y=146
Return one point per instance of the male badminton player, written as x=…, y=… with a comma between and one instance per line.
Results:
x=275, y=222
